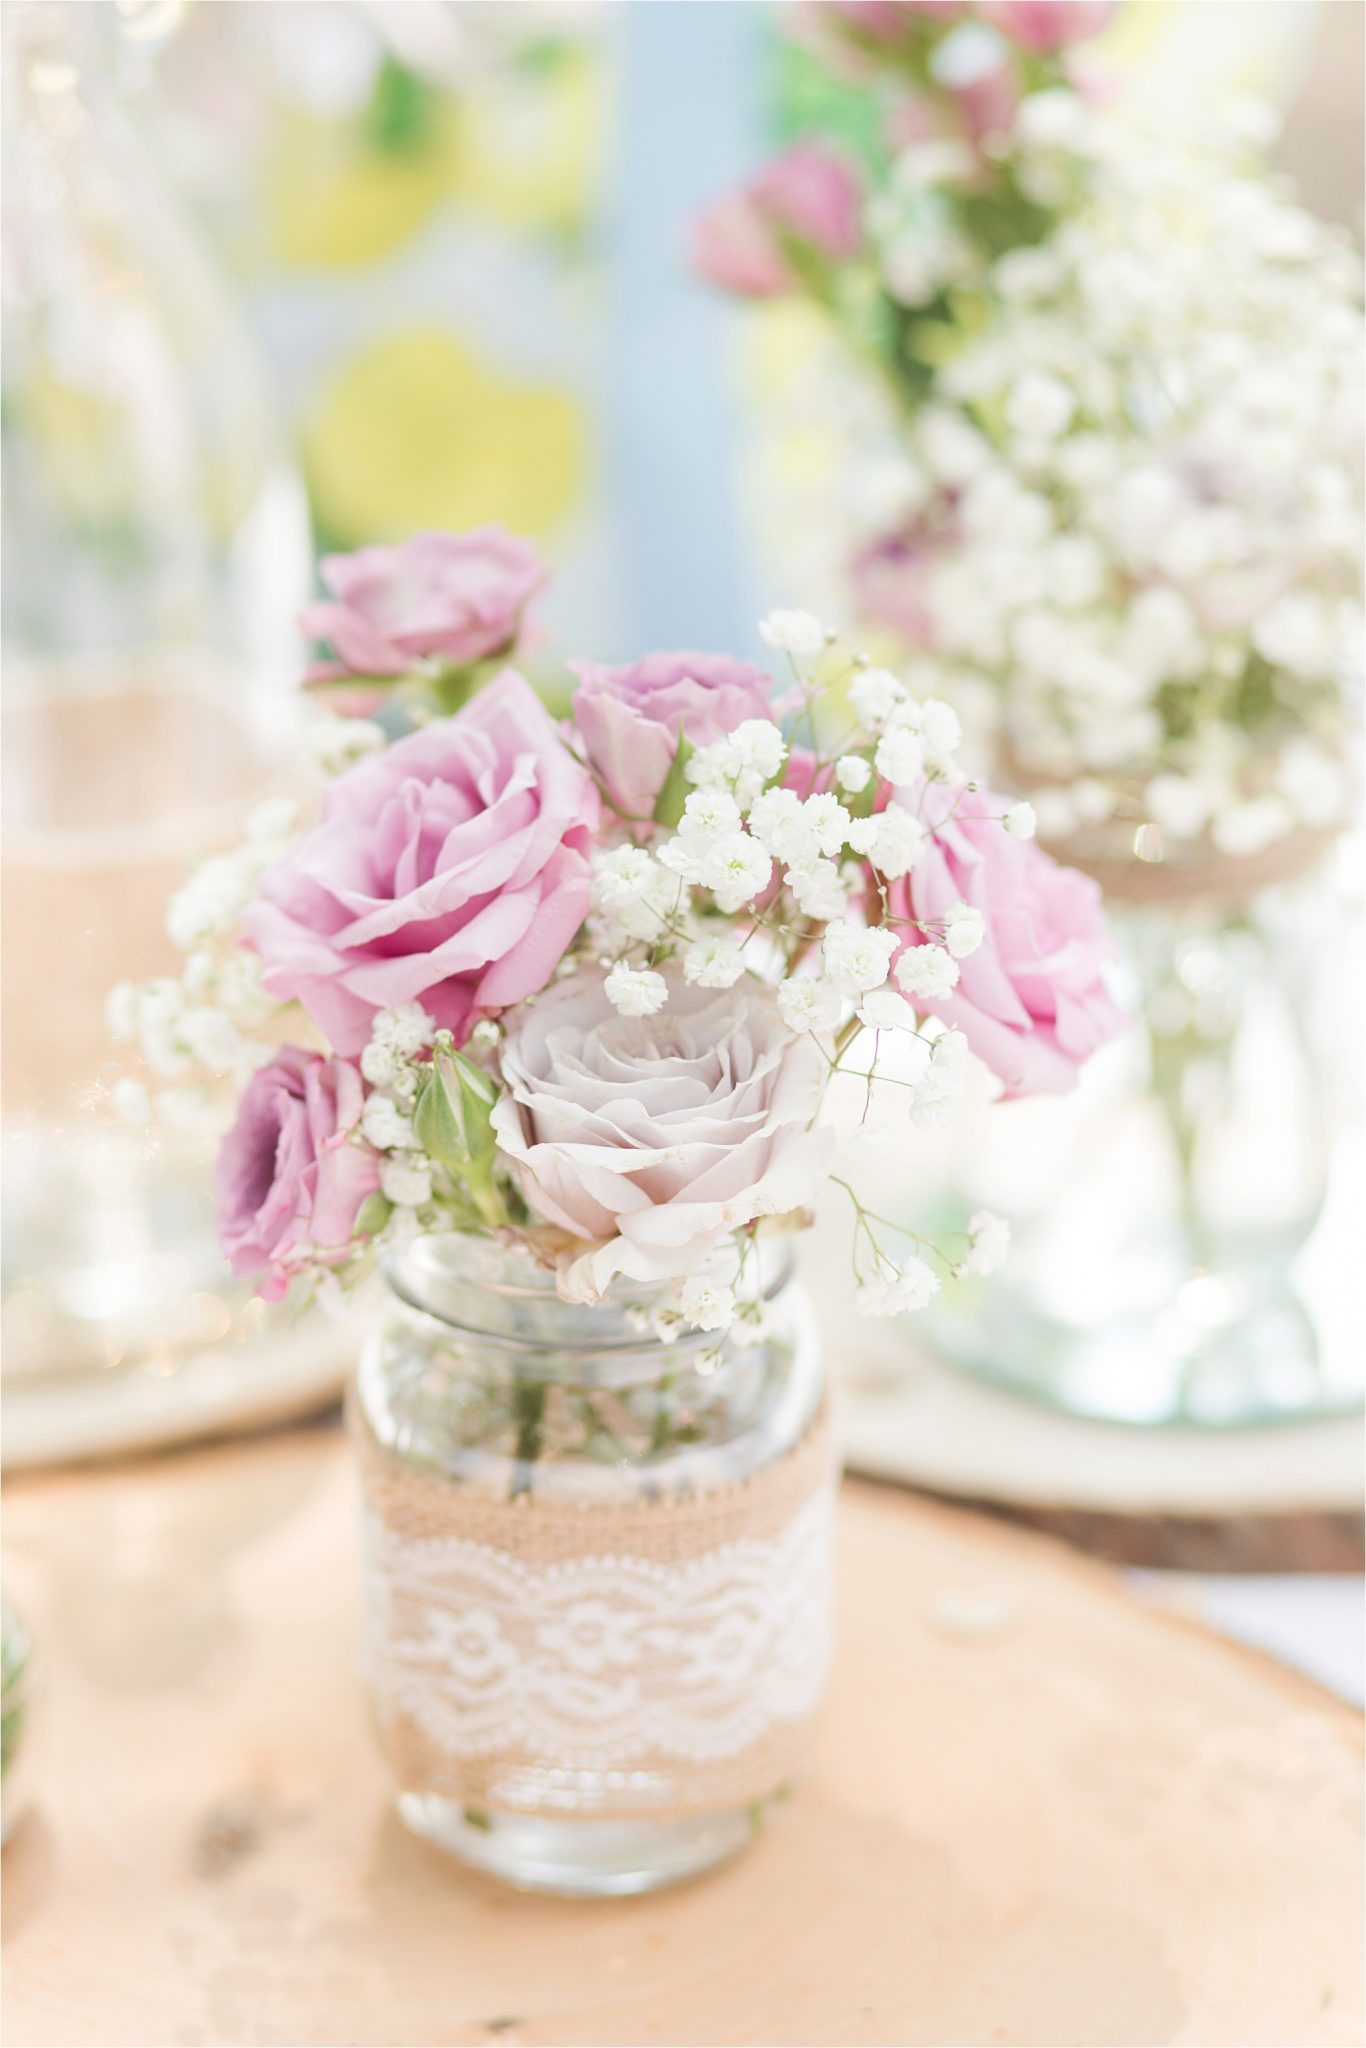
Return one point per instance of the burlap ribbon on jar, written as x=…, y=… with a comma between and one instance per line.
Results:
x=1137, y=863
x=1207, y=881
x=595, y=1658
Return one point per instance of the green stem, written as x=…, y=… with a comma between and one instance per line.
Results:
x=1171, y=1060
x=528, y=1407
x=659, y=1433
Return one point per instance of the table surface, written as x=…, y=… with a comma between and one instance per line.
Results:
x=1037, y=1812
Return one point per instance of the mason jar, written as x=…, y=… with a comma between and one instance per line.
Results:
x=598, y=1563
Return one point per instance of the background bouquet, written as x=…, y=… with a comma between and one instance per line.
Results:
x=1080, y=414
x=584, y=985
x=1104, y=474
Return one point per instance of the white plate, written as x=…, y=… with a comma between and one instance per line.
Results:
x=60, y=1420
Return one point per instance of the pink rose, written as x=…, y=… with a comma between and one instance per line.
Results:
x=1030, y=1000
x=451, y=597
x=808, y=194
x=653, y=1138
x=1046, y=25
x=450, y=870
x=629, y=717
x=289, y=1178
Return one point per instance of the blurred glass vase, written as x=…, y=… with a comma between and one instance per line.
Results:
x=1172, y=1258
x=155, y=551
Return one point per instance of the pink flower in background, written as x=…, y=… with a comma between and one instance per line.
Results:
x=889, y=580
x=1031, y=999
x=1046, y=25
x=450, y=870
x=629, y=717
x=454, y=597
x=886, y=21
x=656, y=1137
x=986, y=103
x=808, y=194
x=856, y=38
x=290, y=1178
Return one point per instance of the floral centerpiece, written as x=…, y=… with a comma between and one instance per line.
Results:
x=1101, y=484
x=546, y=1014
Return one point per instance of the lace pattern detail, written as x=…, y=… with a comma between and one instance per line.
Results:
x=596, y=1661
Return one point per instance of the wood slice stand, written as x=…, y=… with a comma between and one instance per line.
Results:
x=1038, y=1812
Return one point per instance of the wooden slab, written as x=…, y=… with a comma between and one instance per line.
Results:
x=1039, y=1812
x=1278, y=1498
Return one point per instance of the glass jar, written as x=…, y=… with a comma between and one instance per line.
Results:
x=1177, y=1249
x=598, y=1565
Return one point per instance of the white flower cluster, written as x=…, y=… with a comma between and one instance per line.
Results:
x=988, y=1245
x=909, y=1287
x=336, y=743
x=200, y=1024
x=391, y=1063
x=796, y=633
x=793, y=867
x=709, y=1303
x=804, y=873
x=1140, y=504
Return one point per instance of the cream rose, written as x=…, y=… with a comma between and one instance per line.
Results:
x=655, y=1137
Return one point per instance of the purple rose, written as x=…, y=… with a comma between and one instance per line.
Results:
x=290, y=1179
x=809, y=194
x=450, y=870
x=629, y=717
x=452, y=597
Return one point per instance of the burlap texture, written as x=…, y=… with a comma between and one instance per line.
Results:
x=1214, y=881
x=416, y=1507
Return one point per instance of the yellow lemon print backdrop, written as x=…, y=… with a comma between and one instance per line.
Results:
x=420, y=250
x=1166, y=58
x=336, y=201
x=527, y=150
x=417, y=431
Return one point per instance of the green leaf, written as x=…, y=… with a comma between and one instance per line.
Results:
x=453, y=1123
x=403, y=110
x=452, y=684
x=674, y=793
x=374, y=1213
x=452, y=1117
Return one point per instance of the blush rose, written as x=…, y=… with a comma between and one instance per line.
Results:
x=455, y=598
x=450, y=870
x=655, y=1137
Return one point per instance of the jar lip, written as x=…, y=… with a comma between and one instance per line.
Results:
x=578, y=1335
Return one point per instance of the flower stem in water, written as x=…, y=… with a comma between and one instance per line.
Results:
x=528, y=1407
